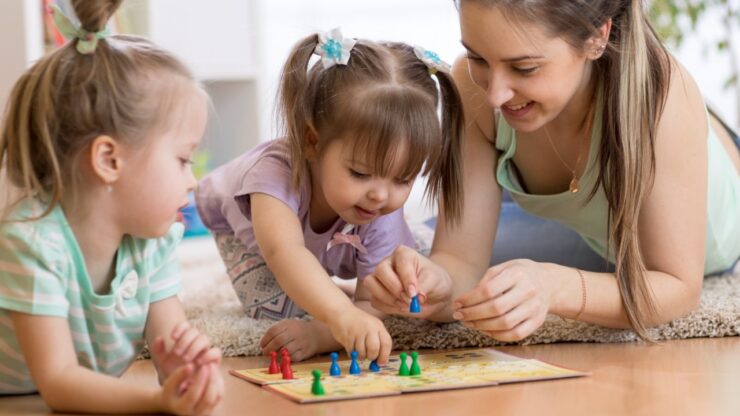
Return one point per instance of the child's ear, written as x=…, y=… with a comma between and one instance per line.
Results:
x=311, y=147
x=105, y=159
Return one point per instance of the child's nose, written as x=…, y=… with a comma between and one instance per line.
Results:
x=192, y=181
x=378, y=192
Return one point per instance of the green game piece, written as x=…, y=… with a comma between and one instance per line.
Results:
x=415, y=369
x=317, y=389
x=403, y=370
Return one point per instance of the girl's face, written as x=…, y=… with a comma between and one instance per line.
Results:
x=158, y=177
x=351, y=190
x=530, y=76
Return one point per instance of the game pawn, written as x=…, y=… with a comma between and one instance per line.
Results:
x=283, y=354
x=354, y=367
x=415, y=368
x=415, y=307
x=374, y=367
x=273, y=369
x=317, y=389
x=403, y=369
x=334, y=369
x=287, y=371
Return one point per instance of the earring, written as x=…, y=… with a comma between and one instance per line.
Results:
x=600, y=49
x=109, y=189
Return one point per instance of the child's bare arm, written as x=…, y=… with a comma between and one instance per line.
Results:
x=279, y=235
x=362, y=301
x=173, y=342
x=64, y=384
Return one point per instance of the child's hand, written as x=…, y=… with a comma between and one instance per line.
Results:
x=190, y=347
x=359, y=331
x=203, y=392
x=300, y=338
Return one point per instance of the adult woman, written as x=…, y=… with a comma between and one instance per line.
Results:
x=599, y=128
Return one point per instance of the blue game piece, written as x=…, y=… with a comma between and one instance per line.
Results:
x=334, y=370
x=415, y=307
x=374, y=367
x=354, y=368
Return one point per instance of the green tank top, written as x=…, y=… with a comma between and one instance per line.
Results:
x=589, y=217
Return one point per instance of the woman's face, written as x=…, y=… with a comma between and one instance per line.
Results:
x=527, y=74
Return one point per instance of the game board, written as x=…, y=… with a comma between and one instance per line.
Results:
x=440, y=371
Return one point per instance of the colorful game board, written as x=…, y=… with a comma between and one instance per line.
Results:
x=439, y=371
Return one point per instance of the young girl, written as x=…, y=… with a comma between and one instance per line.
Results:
x=326, y=199
x=98, y=136
x=586, y=119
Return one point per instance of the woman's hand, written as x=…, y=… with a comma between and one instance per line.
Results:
x=404, y=274
x=509, y=303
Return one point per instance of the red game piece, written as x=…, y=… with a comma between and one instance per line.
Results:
x=273, y=363
x=287, y=371
x=283, y=355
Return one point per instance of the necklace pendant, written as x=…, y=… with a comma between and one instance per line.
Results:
x=574, y=185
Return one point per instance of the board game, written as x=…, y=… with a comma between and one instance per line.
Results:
x=439, y=371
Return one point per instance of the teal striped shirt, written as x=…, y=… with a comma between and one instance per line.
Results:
x=42, y=272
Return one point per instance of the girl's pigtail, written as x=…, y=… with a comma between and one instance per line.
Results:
x=295, y=111
x=27, y=148
x=444, y=180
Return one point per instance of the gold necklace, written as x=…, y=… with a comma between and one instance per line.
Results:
x=573, y=186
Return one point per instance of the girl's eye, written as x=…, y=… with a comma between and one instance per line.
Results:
x=526, y=71
x=404, y=181
x=185, y=161
x=357, y=174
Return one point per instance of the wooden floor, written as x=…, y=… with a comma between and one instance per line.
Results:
x=692, y=377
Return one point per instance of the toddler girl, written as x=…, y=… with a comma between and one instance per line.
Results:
x=327, y=198
x=98, y=137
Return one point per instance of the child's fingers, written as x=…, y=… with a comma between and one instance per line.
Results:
x=270, y=335
x=386, y=345
x=212, y=394
x=158, y=346
x=179, y=329
x=284, y=339
x=359, y=346
x=173, y=382
x=196, y=389
x=210, y=356
x=183, y=342
x=199, y=346
x=372, y=345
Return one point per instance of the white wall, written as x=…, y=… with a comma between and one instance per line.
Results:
x=709, y=68
x=20, y=27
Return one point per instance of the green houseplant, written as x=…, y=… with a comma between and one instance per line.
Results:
x=673, y=18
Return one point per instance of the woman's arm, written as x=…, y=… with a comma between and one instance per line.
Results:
x=464, y=251
x=673, y=220
x=672, y=232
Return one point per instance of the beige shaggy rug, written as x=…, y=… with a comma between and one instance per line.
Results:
x=212, y=306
